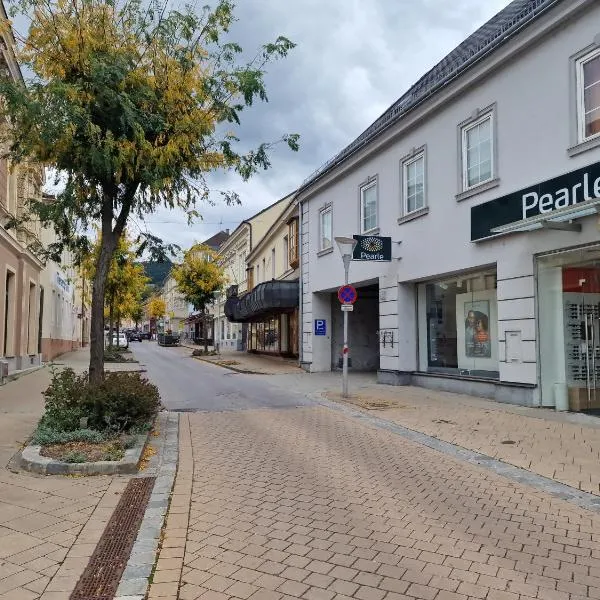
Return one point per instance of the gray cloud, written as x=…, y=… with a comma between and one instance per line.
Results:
x=353, y=59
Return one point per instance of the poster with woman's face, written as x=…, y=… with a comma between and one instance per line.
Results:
x=477, y=329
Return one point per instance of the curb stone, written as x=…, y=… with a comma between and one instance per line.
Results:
x=134, y=581
x=31, y=460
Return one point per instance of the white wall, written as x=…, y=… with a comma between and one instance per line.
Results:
x=533, y=95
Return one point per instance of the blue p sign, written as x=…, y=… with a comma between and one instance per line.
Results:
x=320, y=327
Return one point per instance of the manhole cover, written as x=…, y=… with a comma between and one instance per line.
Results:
x=103, y=572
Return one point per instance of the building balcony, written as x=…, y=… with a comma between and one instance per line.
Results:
x=267, y=298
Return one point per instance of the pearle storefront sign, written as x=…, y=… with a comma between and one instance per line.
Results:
x=572, y=189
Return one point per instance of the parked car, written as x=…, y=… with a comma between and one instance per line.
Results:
x=135, y=336
x=146, y=335
x=120, y=341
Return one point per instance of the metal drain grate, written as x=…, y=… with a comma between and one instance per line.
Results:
x=103, y=572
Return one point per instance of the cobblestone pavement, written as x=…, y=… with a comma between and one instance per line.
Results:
x=276, y=504
x=563, y=447
x=49, y=526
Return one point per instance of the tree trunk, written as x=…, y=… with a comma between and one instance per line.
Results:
x=96, y=371
x=118, y=328
x=111, y=320
x=110, y=238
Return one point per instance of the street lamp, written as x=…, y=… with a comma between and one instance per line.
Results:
x=346, y=247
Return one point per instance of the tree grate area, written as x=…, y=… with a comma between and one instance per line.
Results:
x=102, y=575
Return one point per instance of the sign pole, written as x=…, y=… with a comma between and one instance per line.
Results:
x=347, y=259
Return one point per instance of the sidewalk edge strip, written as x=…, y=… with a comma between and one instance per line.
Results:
x=555, y=488
x=134, y=582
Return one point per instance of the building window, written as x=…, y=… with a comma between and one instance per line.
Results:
x=477, y=152
x=368, y=207
x=588, y=93
x=9, y=313
x=264, y=269
x=286, y=252
x=250, y=276
x=293, y=243
x=257, y=274
x=272, y=263
x=326, y=228
x=413, y=179
x=242, y=266
x=458, y=325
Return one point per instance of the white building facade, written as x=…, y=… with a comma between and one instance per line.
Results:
x=64, y=300
x=176, y=308
x=486, y=177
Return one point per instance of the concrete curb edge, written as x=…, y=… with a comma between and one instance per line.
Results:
x=135, y=579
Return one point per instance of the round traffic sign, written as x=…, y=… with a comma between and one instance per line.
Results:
x=347, y=294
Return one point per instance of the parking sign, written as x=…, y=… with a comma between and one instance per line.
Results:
x=320, y=327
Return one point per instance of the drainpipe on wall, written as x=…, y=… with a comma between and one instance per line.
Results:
x=301, y=287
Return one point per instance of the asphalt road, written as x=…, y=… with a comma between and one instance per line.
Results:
x=187, y=384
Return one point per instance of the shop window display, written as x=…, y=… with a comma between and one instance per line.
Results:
x=458, y=326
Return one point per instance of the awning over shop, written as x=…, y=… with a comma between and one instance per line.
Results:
x=270, y=297
x=198, y=318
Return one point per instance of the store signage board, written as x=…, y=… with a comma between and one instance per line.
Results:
x=566, y=191
x=372, y=248
x=347, y=294
x=320, y=327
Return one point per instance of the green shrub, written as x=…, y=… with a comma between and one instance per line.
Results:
x=121, y=402
x=45, y=436
x=63, y=400
x=74, y=457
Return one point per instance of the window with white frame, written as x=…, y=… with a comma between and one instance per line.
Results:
x=588, y=94
x=413, y=180
x=477, y=152
x=325, y=228
x=368, y=207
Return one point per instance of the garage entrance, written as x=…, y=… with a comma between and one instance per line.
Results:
x=363, y=334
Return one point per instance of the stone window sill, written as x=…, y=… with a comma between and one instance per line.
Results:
x=325, y=251
x=414, y=215
x=374, y=231
x=483, y=187
x=582, y=147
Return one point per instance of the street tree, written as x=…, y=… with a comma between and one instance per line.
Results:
x=125, y=283
x=133, y=103
x=198, y=277
x=157, y=307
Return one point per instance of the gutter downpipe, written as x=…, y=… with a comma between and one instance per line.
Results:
x=245, y=325
x=301, y=287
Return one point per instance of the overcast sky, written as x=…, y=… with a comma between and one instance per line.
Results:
x=353, y=59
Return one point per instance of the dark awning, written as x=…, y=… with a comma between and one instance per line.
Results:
x=270, y=297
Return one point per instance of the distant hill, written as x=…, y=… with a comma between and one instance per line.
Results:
x=156, y=271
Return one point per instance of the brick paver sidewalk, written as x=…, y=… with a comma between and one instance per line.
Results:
x=49, y=526
x=540, y=440
x=248, y=363
x=309, y=503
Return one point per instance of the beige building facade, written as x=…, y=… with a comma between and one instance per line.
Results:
x=234, y=253
x=20, y=302
x=273, y=275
